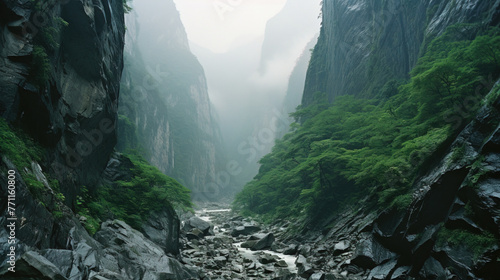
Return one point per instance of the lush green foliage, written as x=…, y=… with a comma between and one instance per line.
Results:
x=352, y=147
x=132, y=200
x=17, y=146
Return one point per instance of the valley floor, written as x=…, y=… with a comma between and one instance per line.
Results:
x=224, y=245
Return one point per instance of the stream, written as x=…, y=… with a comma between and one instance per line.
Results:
x=223, y=245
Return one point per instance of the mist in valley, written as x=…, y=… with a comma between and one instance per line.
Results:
x=248, y=73
x=248, y=50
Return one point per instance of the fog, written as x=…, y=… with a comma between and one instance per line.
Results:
x=248, y=54
x=248, y=49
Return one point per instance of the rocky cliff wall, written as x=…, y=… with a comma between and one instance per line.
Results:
x=60, y=69
x=364, y=44
x=164, y=95
x=61, y=63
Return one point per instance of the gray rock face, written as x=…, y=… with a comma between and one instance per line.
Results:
x=363, y=44
x=138, y=257
x=73, y=111
x=264, y=241
x=34, y=265
x=164, y=95
x=161, y=227
x=197, y=223
x=369, y=253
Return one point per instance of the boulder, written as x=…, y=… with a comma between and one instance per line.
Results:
x=248, y=244
x=136, y=257
x=401, y=273
x=267, y=259
x=432, y=269
x=381, y=272
x=369, y=253
x=317, y=276
x=32, y=265
x=162, y=227
x=304, y=269
x=195, y=222
x=341, y=247
x=291, y=250
x=245, y=229
x=264, y=242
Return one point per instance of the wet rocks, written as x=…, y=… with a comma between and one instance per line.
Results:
x=246, y=229
x=264, y=241
x=238, y=249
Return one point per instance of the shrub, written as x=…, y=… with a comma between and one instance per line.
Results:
x=477, y=243
x=18, y=147
x=132, y=201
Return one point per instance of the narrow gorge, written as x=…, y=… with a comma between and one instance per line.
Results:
x=290, y=139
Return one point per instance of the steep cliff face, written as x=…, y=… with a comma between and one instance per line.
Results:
x=365, y=44
x=165, y=99
x=295, y=89
x=449, y=228
x=62, y=62
x=60, y=69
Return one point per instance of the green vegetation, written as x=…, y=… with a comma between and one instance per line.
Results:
x=343, y=151
x=477, y=243
x=35, y=187
x=17, y=146
x=126, y=8
x=22, y=150
x=132, y=200
x=50, y=26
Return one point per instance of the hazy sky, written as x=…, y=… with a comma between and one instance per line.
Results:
x=219, y=25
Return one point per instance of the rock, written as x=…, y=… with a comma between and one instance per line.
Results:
x=62, y=259
x=291, y=250
x=301, y=260
x=194, y=234
x=488, y=198
x=140, y=257
x=341, y=247
x=304, y=269
x=489, y=264
x=381, y=272
x=269, y=269
x=33, y=265
x=317, y=276
x=195, y=222
x=432, y=269
x=281, y=263
x=283, y=274
x=220, y=261
x=369, y=253
x=248, y=244
x=401, y=273
x=267, y=259
x=237, y=268
x=265, y=242
x=305, y=250
x=162, y=227
x=246, y=229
